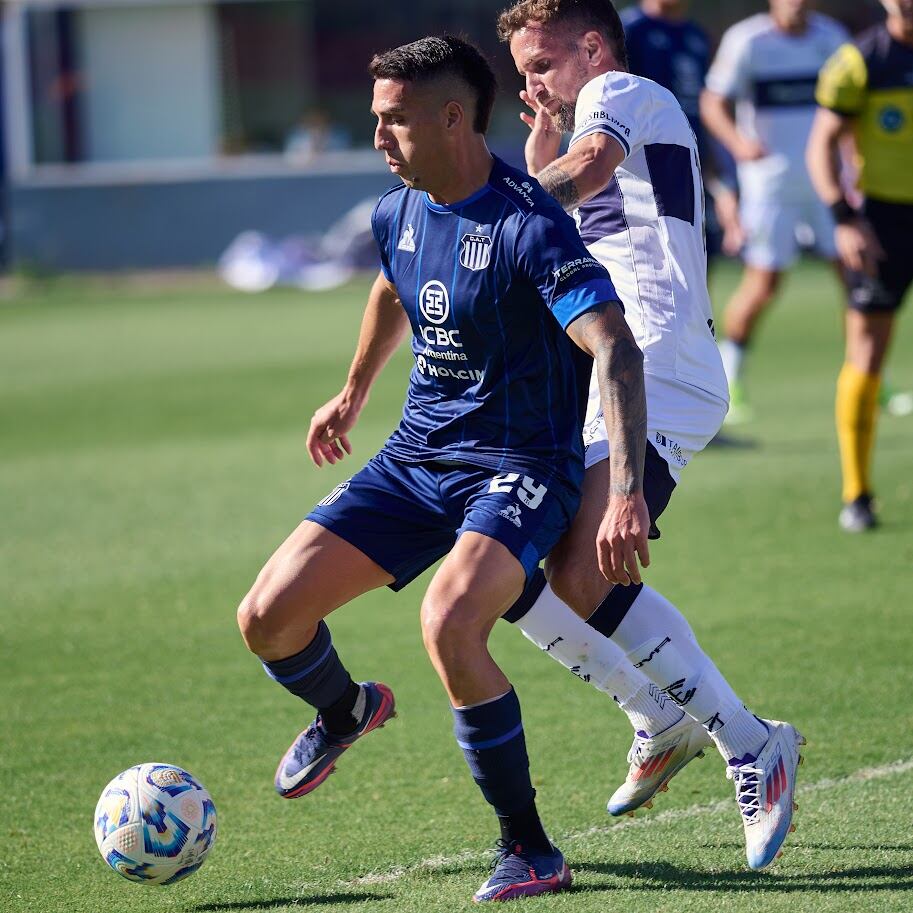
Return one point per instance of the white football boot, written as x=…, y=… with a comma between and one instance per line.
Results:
x=655, y=761
x=764, y=791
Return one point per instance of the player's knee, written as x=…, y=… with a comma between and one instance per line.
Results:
x=256, y=621
x=448, y=629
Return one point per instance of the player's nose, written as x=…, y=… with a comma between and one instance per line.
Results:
x=533, y=85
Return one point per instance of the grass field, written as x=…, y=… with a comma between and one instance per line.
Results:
x=153, y=455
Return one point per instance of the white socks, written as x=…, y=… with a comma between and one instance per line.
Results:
x=660, y=643
x=732, y=354
x=559, y=631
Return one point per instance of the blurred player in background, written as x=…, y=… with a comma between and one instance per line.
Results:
x=485, y=467
x=767, y=66
x=666, y=46
x=866, y=91
x=632, y=178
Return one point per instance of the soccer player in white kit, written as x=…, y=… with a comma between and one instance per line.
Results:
x=767, y=68
x=632, y=178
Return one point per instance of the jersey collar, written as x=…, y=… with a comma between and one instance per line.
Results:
x=452, y=207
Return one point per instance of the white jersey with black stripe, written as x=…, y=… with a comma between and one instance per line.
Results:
x=647, y=227
x=771, y=75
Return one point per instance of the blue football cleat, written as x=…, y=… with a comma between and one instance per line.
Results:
x=516, y=873
x=312, y=757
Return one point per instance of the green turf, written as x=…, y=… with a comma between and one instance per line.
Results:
x=153, y=455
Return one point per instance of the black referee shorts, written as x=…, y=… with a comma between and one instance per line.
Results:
x=884, y=293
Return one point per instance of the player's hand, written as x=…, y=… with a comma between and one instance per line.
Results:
x=622, y=539
x=726, y=204
x=748, y=150
x=544, y=140
x=858, y=248
x=328, y=435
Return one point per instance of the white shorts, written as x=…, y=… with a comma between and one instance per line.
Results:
x=681, y=421
x=775, y=231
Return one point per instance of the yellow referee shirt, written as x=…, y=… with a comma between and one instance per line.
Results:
x=872, y=82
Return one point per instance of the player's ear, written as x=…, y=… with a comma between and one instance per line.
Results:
x=453, y=114
x=594, y=46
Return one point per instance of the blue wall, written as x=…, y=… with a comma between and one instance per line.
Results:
x=178, y=224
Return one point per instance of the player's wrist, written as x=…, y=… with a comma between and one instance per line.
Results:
x=843, y=212
x=353, y=397
x=628, y=493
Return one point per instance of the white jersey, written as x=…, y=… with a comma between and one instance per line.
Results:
x=647, y=228
x=771, y=77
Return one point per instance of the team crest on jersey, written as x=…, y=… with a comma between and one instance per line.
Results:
x=475, y=252
x=407, y=241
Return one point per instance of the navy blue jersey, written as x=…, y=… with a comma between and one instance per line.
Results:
x=489, y=285
x=674, y=54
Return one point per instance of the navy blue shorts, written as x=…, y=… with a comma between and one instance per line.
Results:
x=405, y=516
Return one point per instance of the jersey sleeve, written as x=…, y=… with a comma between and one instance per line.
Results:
x=730, y=72
x=550, y=254
x=842, y=82
x=381, y=230
x=611, y=104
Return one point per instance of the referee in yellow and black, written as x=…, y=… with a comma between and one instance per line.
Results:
x=866, y=91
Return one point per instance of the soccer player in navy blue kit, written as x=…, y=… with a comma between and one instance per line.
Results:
x=491, y=277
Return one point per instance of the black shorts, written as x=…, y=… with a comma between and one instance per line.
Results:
x=658, y=487
x=884, y=293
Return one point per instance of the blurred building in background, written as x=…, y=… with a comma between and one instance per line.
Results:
x=150, y=133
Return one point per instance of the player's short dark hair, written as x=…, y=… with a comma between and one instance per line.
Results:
x=432, y=58
x=596, y=15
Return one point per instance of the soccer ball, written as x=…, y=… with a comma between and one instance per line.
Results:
x=155, y=824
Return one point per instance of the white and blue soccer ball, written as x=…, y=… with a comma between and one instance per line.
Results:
x=155, y=824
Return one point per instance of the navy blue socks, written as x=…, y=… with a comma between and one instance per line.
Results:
x=491, y=736
x=317, y=676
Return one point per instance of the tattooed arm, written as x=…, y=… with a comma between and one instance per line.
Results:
x=605, y=335
x=583, y=171
x=573, y=178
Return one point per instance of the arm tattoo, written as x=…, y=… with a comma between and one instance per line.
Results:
x=620, y=374
x=560, y=185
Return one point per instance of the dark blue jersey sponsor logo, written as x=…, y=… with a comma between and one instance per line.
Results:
x=434, y=302
x=786, y=91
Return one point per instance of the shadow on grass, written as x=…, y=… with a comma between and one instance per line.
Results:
x=661, y=876
x=302, y=900
x=726, y=441
x=865, y=847
x=829, y=847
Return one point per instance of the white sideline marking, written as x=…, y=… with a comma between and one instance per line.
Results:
x=438, y=863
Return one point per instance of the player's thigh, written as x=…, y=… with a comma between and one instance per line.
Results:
x=572, y=566
x=313, y=572
x=507, y=514
x=476, y=583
